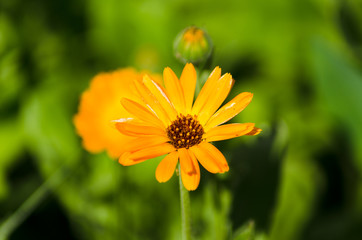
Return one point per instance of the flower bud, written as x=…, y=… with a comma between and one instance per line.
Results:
x=193, y=45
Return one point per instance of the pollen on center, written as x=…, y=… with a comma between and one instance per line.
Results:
x=185, y=131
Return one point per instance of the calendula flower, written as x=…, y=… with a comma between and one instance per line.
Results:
x=193, y=45
x=100, y=104
x=168, y=121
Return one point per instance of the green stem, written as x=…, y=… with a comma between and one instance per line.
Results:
x=12, y=222
x=185, y=209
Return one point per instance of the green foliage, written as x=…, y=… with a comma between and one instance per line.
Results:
x=246, y=232
x=10, y=147
x=299, y=179
x=296, y=197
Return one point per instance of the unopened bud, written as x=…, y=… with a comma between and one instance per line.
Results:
x=193, y=45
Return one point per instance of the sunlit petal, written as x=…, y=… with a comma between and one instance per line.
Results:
x=100, y=104
x=229, y=110
x=254, y=132
x=206, y=91
x=174, y=89
x=143, y=142
x=228, y=131
x=210, y=158
x=139, y=129
x=126, y=161
x=186, y=161
x=221, y=91
x=151, y=102
x=188, y=83
x=141, y=112
x=191, y=180
x=129, y=158
x=166, y=167
x=160, y=94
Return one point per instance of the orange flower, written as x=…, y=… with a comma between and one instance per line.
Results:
x=166, y=121
x=100, y=104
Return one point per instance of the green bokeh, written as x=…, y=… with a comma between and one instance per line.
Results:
x=301, y=178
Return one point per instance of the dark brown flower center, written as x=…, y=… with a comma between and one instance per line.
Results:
x=185, y=131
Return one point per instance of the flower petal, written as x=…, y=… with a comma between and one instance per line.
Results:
x=220, y=92
x=191, y=180
x=126, y=161
x=141, y=112
x=150, y=100
x=174, y=89
x=254, y=132
x=166, y=167
x=144, y=154
x=210, y=157
x=143, y=142
x=228, y=131
x=161, y=96
x=188, y=83
x=229, y=110
x=206, y=90
x=138, y=129
x=152, y=152
x=186, y=161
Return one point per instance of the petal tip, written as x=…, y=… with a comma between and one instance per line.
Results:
x=191, y=188
x=189, y=65
x=160, y=180
x=122, y=159
x=146, y=77
x=124, y=100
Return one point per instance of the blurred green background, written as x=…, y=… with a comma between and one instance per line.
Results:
x=301, y=178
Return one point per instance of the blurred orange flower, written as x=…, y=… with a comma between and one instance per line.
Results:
x=100, y=104
x=168, y=121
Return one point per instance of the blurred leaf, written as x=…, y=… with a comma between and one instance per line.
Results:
x=11, y=80
x=11, y=147
x=261, y=236
x=210, y=213
x=339, y=84
x=297, y=194
x=246, y=232
x=49, y=129
x=8, y=38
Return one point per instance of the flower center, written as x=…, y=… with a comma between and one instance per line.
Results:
x=185, y=131
x=193, y=35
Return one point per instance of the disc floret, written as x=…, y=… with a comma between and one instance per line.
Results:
x=185, y=131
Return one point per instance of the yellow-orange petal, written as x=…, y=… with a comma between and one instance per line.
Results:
x=174, y=89
x=135, y=129
x=186, y=161
x=221, y=91
x=100, y=104
x=151, y=102
x=161, y=96
x=129, y=158
x=188, y=83
x=141, y=112
x=143, y=142
x=228, y=131
x=191, y=180
x=126, y=161
x=254, y=132
x=166, y=167
x=210, y=157
x=229, y=110
x=206, y=90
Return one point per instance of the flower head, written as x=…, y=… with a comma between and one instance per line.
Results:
x=99, y=105
x=193, y=45
x=166, y=120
